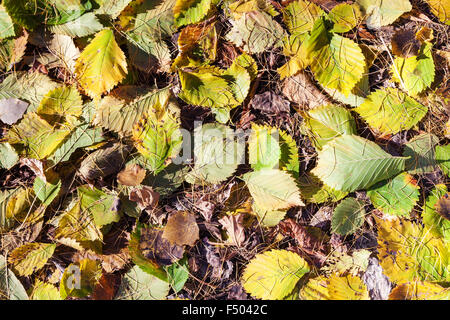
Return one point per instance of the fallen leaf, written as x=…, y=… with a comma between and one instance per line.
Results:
x=132, y=175
x=11, y=110
x=235, y=229
x=181, y=229
x=301, y=90
x=270, y=102
x=145, y=197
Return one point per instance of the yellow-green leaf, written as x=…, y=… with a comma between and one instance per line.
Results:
x=101, y=65
x=31, y=257
x=274, y=274
x=390, y=111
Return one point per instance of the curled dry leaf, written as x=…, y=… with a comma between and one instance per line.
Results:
x=145, y=197
x=300, y=89
x=308, y=242
x=235, y=229
x=181, y=229
x=132, y=175
x=104, y=162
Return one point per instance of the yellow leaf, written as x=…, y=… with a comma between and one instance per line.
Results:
x=39, y=138
x=101, y=65
x=31, y=257
x=274, y=274
x=419, y=290
x=347, y=288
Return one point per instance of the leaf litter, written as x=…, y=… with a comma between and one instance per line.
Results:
x=338, y=190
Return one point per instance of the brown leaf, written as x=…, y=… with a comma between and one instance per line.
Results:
x=443, y=206
x=106, y=287
x=145, y=197
x=104, y=162
x=156, y=248
x=181, y=229
x=301, y=90
x=235, y=229
x=270, y=102
x=311, y=245
x=132, y=175
x=404, y=43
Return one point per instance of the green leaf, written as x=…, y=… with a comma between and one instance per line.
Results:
x=6, y=24
x=178, y=274
x=101, y=205
x=255, y=32
x=207, y=88
x=116, y=115
x=190, y=11
x=112, y=8
x=340, y=64
x=439, y=226
x=217, y=151
x=30, y=87
x=46, y=191
x=8, y=156
x=351, y=163
x=157, y=136
x=314, y=191
x=348, y=216
x=101, y=65
x=396, y=196
x=148, y=55
x=82, y=136
x=273, y=274
x=45, y=291
x=323, y=124
x=442, y=157
x=382, y=13
x=273, y=189
x=139, y=285
x=268, y=218
x=61, y=102
x=147, y=265
x=299, y=16
x=31, y=257
x=32, y=131
x=79, y=279
x=391, y=111
x=10, y=286
x=420, y=149
x=156, y=23
x=416, y=73
x=263, y=147
x=85, y=25
x=76, y=228
x=345, y=17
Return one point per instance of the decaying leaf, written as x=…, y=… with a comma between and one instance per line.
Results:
x=181, y=229
x=132, y=175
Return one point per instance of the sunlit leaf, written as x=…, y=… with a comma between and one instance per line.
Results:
x=348, y=216
x=30, y=257
x=396, y=196
x=390, y=111
x=350, y=163
x=101, y=65
x=273, y=274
